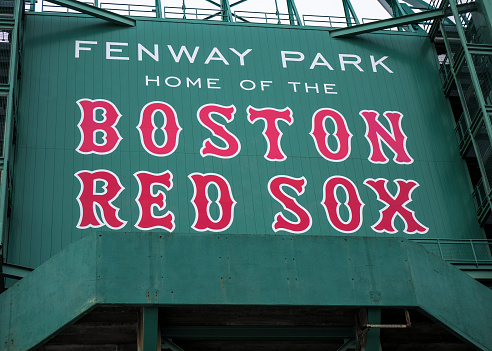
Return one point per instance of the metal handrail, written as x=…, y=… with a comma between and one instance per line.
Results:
x=476, y=252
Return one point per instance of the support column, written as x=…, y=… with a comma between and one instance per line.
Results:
x=293, y=14
x=349, y=13
x=373, y=342
x=148, y=330
x=226, y=11
x=158, y=9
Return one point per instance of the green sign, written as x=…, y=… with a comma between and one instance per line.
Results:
x=180, y=127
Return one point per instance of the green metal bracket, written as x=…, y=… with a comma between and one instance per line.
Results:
x=293, y=14
x=96, y=12
x=149, y=329
x=349, y=13
x=398, y=21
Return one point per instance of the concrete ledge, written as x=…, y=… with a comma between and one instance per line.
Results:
x=164, y=269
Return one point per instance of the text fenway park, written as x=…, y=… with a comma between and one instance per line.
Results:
x=90, y=198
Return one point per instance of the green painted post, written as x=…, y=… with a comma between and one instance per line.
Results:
x=5, y=179
x=349, y=13
x=291, y=7
x=33, y=5
x=226, y=11
x=276, y=12
x=373, y=342
x=158, y=9
x=149, y=330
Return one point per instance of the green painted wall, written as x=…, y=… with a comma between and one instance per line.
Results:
x=45, y=211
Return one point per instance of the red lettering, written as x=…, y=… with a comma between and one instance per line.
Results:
x=377, y=133
x=233, y=146
x=90, y=199
x=202, y=202
x=332, y=205
x=89, y=127
x=148, y=200
x=304, y=220
x=320, y=135
x=147, y=128
x=395, y=205
x=272, y=132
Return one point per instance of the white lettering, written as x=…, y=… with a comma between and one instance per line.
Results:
x=219, y=57
x=78, y=48
x=110, y=49
x=241, y=56
x=379, y=62
x=211, y=82
x=322, y=63
x=177, y=57
x=300, y=57
x=343, y=62
x=155, y=55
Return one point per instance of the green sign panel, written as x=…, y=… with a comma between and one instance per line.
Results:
x=177, y=127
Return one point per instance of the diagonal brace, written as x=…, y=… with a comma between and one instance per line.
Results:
x=398, y=21
x=96, y=12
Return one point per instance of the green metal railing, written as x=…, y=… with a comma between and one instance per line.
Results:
x=473, y=252
x=220, y=14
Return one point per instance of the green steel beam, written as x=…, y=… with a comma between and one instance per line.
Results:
x=4, y=89
x=96, y=12
x=349, y=13
x=14, y=271
x=419, y=3
x=169, y=345
x=293, y=13
x=213, y=2
x=480, y=49
x=349, y=344
x=6, y=23
x=149, y=329
x=238, y=2
x=478, y=274
x=9, y=126
x=226, y=11
x=373, y=341
x=158, y=9
x=408, y=11
x=256, y=333
x=398, y=21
